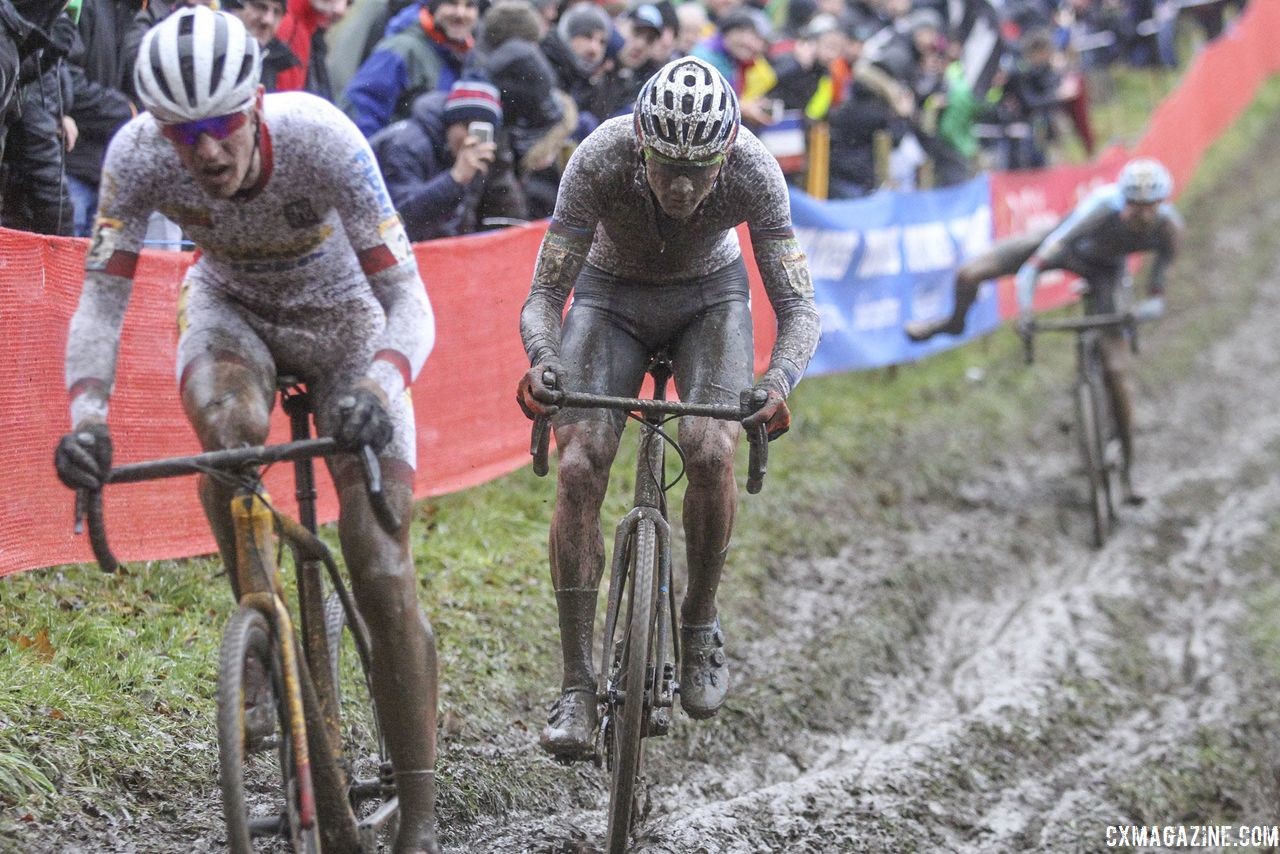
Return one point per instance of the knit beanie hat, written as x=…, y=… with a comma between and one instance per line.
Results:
x=473, y=101
x=583, y=20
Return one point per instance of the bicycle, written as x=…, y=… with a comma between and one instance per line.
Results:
x=641, y=651
x=322, y=738
x=1096, y=423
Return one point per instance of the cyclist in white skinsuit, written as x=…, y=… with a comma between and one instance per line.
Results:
x=303, y=269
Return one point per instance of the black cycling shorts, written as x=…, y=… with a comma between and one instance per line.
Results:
x=615, y=326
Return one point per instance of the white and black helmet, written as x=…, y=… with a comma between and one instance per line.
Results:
x=1145, y=181
x=197, y=63
x=687, y=111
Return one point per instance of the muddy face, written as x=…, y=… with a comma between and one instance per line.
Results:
x=222, y=167
x=680, y=187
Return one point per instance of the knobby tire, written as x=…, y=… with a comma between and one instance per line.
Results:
x=626, y=733
x=1091, y=455
x=249, y=636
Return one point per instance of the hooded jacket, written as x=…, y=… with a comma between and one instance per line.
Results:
x=415, y=57
x=415, y=161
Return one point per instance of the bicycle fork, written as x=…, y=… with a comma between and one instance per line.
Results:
x=254, y=525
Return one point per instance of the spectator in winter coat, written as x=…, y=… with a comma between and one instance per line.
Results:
x=262, y=19
x=435, y=168
x=305, y=24
x=424, y=50
x=575, y=49
x=35, y=189
x=738, y=52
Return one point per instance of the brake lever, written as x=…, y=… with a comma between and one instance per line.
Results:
x=749, y=403
x=540, y=440
x=89, y=507
x=386, y=517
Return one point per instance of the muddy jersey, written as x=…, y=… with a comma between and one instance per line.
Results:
x=316, y=232
x=1096, y=235
x=607, y=216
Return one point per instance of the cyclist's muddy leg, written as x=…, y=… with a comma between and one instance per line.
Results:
x=229, y=405
x=1115, y=364
x=404, y=645
x=710, y=503
x=1003, y=259
x=587, y=449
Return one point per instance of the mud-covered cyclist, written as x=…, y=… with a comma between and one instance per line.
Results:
x=643, y=233
x=1094, y=241
x=304, y=269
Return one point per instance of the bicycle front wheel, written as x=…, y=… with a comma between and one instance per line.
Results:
x=256, y=755
x=627, y=729
x=1091, y=456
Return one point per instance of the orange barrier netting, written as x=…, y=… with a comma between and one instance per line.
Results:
x=469, y=428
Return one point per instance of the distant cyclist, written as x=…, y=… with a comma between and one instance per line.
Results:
x=1093, y=241
x=303, y=270
x=643, y=233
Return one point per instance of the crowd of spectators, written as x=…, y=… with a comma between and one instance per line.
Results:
x=472, y=106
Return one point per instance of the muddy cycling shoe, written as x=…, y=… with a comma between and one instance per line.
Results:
x=704, y=670
x=571, y=726
x=923, y=330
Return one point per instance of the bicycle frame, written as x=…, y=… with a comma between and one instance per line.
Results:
x=637, y=687
x=308, y=677
x=1094, y=409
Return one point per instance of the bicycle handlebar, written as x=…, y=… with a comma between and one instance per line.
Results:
x=1124, y=320
x=757, y=436
x=89, y=502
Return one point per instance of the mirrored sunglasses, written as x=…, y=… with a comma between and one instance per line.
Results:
x=216, y=127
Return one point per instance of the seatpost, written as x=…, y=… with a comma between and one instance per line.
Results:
x=297, y=405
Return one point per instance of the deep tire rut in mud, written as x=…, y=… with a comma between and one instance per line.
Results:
x=1034, y=679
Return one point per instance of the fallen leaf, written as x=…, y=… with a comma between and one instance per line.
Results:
x=39, y=644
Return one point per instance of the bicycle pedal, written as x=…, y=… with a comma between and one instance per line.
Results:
x=262, y=745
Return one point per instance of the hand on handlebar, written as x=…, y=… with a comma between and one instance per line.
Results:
x=83, y=456
x=363, y=418
x=772, y=412
x=538, y=391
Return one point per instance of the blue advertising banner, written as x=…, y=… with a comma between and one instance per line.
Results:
x=881, y=261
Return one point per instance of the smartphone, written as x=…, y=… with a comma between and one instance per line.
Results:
x=778, y=111
x=482, y=131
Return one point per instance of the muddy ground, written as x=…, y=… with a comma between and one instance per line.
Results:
x=966, y=674
x=948, y=666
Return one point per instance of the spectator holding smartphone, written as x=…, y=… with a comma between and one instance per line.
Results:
x=435, y=161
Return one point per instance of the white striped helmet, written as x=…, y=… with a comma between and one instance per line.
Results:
x=197, y=63
x=1145, y=180
x=687, y=111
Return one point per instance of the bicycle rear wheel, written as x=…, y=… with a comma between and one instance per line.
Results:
x=257, y=773
x=623, y=740
x=1091, y=455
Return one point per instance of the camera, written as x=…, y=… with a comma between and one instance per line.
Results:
x=482, y=131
